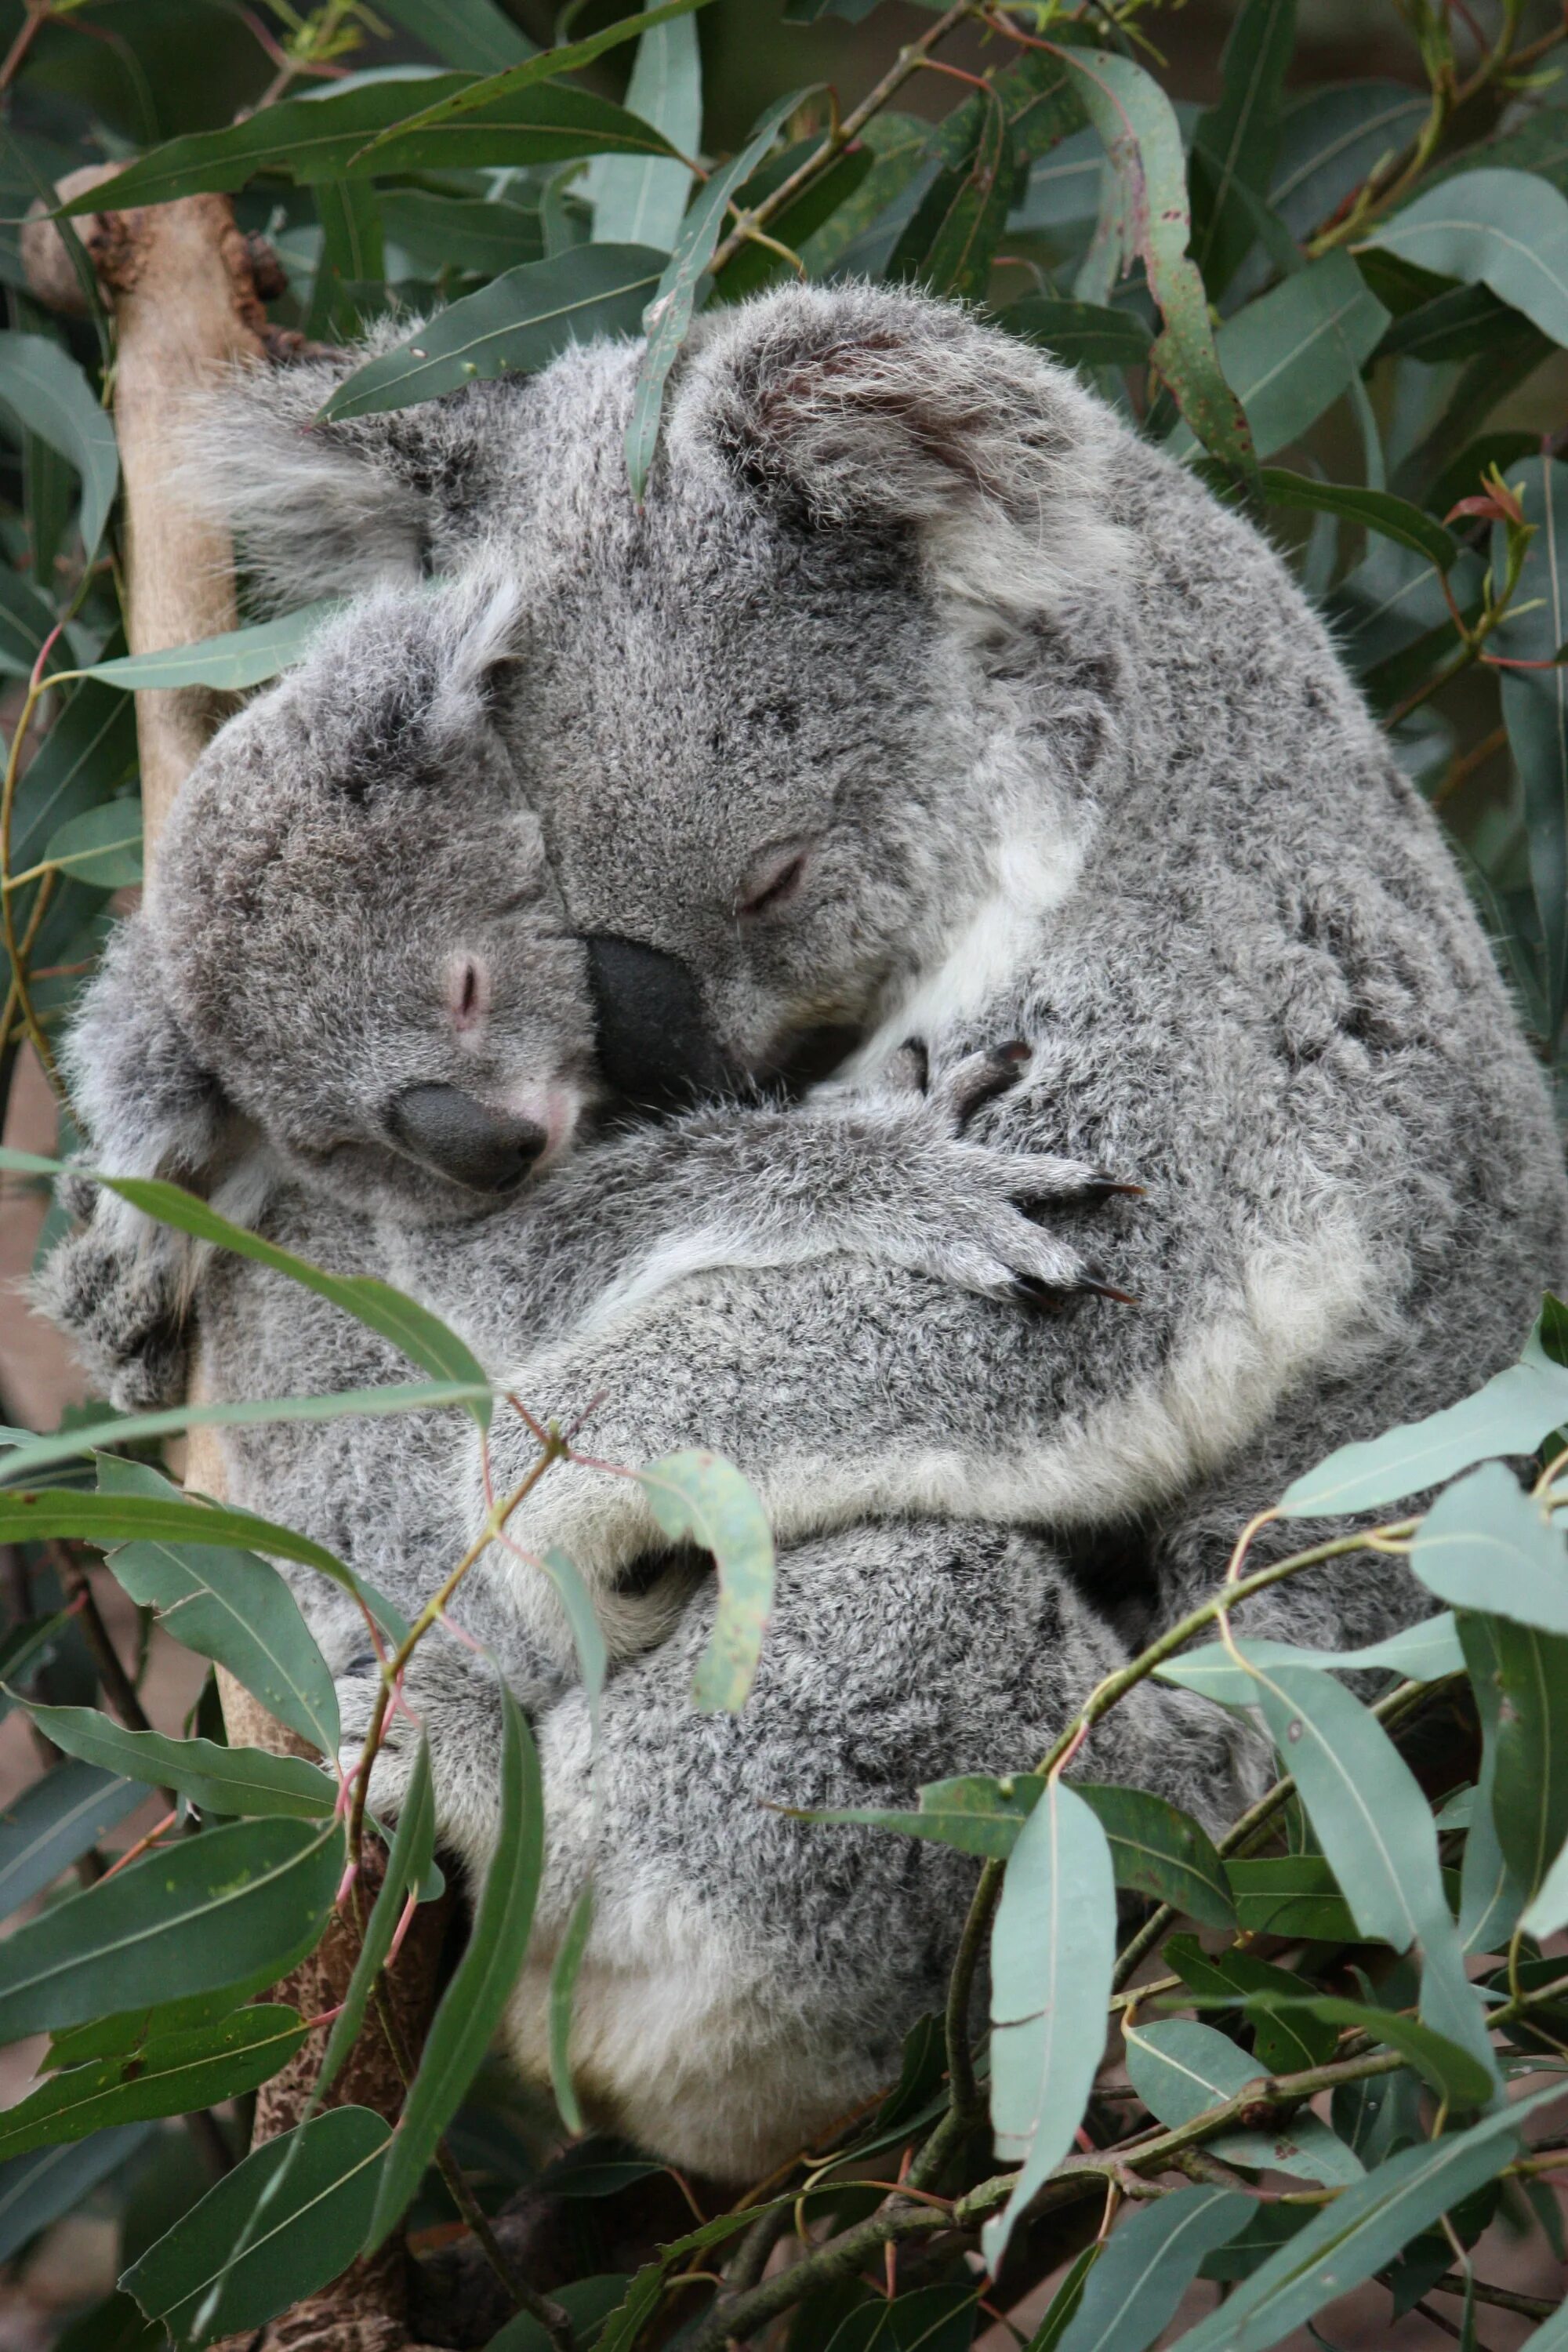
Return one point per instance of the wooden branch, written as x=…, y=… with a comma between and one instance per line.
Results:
x=185, y=288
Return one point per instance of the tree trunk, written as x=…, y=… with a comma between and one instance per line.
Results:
x=182, y=281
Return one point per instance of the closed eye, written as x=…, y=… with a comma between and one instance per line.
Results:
x=774, y=883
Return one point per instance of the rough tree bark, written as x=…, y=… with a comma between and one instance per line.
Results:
x=186, y=289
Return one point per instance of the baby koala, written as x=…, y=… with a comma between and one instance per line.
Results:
x=353, y=976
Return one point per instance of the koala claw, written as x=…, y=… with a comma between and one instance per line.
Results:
x=121, y=1305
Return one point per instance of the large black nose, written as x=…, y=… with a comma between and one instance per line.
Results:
x=457, y=1137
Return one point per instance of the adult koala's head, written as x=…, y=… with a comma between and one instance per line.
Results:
x=827, y=699
x=353, y=953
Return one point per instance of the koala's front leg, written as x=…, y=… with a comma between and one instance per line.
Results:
x=119, y=1288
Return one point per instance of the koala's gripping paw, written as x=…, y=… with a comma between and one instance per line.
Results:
x=976, y=1220
x=119, y=1299
x=454, y=1703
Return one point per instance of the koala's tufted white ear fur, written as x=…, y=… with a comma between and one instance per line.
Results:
x=864, y=405
x=316, y=510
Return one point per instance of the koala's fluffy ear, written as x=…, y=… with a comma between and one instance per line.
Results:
x=865, y=406
x=122, y=1286
x=331, y=510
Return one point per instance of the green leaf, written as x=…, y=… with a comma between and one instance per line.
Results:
x=1361, y=2231
x=1053, y=1948
x=1154, y=1847
x=1528, y=1672
x=522, y=81
x=699, y=1497
x=668, y=316
x=314, y=139
x=1138, y=124
x=1422, y=1653
x=440, y=233
x=87, y=755
x=1535, y=708
x=1235, y=143
x=25, y=621
x=101, y=845
x=1486, y=1544
x=816, y=205
x=929, y=2319
x=130, y=1428
x=588, y=1634
x=113, y=2326
x=473, y=35
x=170, y=2075
x=1451, y=2072
x=1375, y=1828
x=1181, y=2070
x=1393, y=518
x=898, y=144
x=1330, y=139
x=422, y=1337
x=238, y=658
x=37, y=2189
x=1162, y=1852
x=1291, y=355
x=350, y=281
x=1080, y=334
x=639, y=200
x=1285, y=2042
x=1548, y=1910
x=306, y=2233
x=53, y=1823
x=1512, y=1414
x=188, y=1918
x=515, y=324
x=472, y=2003
x=1454, y=325
x=118, y=1516
x=1293, y=1895
x=563, y=1985
x=41, y=382
x=406, y=1864
x=1064, y=2304
x=245, y=1780
x=1508, y=230
x=131, y=2029
x=950, y=243
x=1131, y=2292
x=587, y=2304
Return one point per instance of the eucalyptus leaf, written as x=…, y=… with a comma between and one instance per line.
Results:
x=562, y=1986
x=1131, y=2292
x=1528, y=1672
x=1487, y=1545
x=1181, y=2070
x=1291, y=355
x=245, y=1780
x=668, y=319
x=171, y=2075
x=406, y=1864
x=472, y=2004
x=55, y=1821
x=1361, y=2231
x=1235, y=142
x=514, y=325
x=950, y=244
x=1392, y=518
x=297, y=2239
x=476, y=35
x=1423, y=1654
x=699, y=1496
x=1287, y=2040
x=101, y=845
x=1331, y=140
x=37, y=2189
x=1535, y=705
x=1080, y=334
x=192, y=1917
x=1053, y=1946
x=1511, y=1415
x=238, y=658
x=1505, y=229
x=639, y=200
x=46, y=389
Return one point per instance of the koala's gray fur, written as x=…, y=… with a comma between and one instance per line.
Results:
x=1067, y=759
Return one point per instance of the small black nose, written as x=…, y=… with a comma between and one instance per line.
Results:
x=457, y=1137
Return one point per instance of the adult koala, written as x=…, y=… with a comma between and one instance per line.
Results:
x=921, y=697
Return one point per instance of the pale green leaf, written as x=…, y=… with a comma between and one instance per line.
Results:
x=238, y=658
x=1508, y=230
x=47, y=390
x=239, y=1781
x=1151, y=2259
x=1423, y=1654
x=699, y=1496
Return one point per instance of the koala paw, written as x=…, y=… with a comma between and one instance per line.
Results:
x=975, y=1218
x=119, y=1298
x=452, y=1704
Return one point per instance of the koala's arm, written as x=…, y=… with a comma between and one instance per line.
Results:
x=748, y=1976
x=120, y=1286
x=892, y=1179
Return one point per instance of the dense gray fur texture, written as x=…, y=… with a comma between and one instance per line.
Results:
x=921, y=699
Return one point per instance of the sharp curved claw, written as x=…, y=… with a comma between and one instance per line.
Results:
x=1105, y=1290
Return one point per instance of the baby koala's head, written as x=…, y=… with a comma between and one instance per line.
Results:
x=352, y=966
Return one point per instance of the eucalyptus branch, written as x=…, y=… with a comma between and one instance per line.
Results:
x=735, y=2317
x=838, y=137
